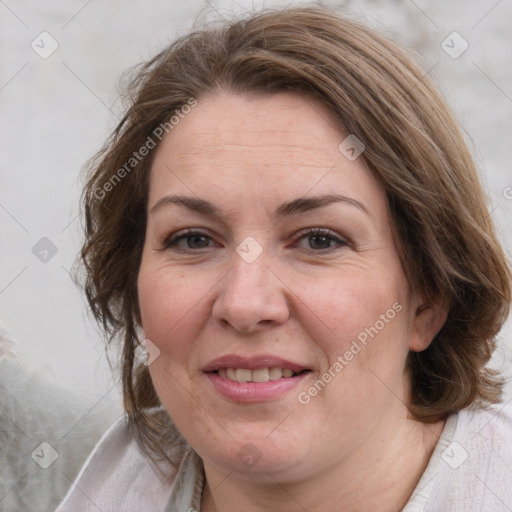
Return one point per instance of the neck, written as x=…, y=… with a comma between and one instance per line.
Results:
x=380, y=475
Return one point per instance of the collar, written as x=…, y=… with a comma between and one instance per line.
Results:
x=188, y=485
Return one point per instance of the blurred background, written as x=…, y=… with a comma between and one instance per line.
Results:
x=60, y=64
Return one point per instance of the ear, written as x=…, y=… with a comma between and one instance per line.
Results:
x=428, y=321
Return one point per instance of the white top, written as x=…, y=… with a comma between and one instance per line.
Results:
x=470, y=470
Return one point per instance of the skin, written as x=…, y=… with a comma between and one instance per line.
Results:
x=305, y=298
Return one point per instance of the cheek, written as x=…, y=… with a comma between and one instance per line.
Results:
x=353, y=302
x=367, y=347
x=169, y=304
x=171, y=312
x=364, y=338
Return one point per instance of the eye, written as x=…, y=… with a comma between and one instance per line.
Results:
x=321, y=239
x=188, y=240
x=316, y=239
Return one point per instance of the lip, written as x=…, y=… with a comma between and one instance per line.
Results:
x=253, y=391
x=252, y=363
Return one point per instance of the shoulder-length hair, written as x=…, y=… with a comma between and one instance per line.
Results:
x=413, y=147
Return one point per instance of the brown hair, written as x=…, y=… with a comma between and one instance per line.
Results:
x=414, y=148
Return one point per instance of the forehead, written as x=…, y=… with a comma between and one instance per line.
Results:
x=227, y=122
x=271, y=147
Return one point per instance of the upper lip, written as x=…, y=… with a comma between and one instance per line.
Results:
x=252, y=363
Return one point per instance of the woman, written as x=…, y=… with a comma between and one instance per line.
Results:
x=288, y=232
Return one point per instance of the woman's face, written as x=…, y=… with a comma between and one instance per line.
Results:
x=271, y=285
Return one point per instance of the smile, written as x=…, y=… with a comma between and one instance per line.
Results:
x=259, y=375
x=254, y=379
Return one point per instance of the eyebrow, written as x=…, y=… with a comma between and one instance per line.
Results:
x=297, y=206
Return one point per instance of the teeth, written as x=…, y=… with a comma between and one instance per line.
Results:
x=259, y=375
x=243, y=375
x=275, y=373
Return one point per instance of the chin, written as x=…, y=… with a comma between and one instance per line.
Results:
x=253, y=456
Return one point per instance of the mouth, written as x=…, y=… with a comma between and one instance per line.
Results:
x=258, y=375
x=254, y=379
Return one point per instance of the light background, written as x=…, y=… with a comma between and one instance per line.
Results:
x=56, y=112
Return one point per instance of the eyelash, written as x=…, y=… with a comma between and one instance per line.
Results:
x=172, y=241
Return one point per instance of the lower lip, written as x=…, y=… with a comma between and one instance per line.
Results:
x=254, y=391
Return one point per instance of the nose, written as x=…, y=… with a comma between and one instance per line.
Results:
x=251, y=297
